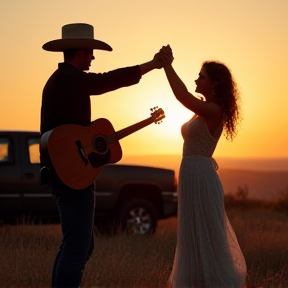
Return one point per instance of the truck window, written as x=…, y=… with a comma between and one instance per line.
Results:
x=5, y=150
x=33, y=146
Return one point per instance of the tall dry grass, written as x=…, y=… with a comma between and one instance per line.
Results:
x=27, y=252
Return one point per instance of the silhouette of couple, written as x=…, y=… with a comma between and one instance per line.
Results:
x=207, y=253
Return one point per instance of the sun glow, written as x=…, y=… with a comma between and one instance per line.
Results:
x=175, y=118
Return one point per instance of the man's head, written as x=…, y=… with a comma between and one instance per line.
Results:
x=80, y=58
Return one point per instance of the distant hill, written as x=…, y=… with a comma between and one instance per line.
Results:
x=257, y=164
x=265, y=178
x=261, y=184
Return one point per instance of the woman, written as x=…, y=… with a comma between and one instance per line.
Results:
x=207, y=252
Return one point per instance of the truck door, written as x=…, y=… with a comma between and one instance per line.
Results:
x=10, y=175
x=38, y=200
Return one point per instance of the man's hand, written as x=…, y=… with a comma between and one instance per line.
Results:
x=162, y=58
x=158, y=61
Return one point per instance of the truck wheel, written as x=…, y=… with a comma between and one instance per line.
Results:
x=138, y=216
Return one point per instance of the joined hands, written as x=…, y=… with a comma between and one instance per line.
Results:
x=165, y=56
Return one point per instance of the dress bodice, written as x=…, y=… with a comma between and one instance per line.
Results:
x=197, y=138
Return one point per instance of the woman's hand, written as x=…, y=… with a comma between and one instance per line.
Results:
x=165, y=55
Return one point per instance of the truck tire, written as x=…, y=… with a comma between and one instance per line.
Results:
x=138, y=216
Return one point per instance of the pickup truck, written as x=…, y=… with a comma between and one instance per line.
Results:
x=130, y=197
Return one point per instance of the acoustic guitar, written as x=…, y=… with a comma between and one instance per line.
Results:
x=77, y=153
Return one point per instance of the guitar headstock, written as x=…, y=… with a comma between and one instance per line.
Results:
x=157, y=114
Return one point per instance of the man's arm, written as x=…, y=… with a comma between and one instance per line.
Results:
x=99, y=83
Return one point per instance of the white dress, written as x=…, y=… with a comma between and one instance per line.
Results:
x=207, y=252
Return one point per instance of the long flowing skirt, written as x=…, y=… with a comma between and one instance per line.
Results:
x=207, y=252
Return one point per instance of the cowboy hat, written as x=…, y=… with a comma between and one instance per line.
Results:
x=76, y=35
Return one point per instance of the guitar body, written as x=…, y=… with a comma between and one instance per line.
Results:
x=78, y=153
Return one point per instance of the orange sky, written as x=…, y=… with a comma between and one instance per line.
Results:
x=251, y=37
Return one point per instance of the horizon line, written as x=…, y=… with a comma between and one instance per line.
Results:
x=230, y=157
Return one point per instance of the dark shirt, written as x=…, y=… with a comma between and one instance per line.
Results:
x=66, y=95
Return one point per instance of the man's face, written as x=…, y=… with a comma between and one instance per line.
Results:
x=85, y=57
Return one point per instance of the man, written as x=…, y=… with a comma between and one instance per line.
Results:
x=66, y=100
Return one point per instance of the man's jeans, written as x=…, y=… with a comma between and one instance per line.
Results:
x=76, y=209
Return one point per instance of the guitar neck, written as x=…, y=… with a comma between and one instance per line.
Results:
x=129, y=130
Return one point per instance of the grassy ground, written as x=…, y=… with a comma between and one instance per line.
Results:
x=27, y=252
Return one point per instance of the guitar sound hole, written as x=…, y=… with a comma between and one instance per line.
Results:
x=100, y=144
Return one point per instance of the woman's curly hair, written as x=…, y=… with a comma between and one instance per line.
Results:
x=227, y=93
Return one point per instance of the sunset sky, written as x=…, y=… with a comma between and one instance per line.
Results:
x=250, y=36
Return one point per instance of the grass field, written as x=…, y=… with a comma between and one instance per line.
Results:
x=27, y=252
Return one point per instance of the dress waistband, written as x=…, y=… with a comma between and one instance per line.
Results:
x=201, y=158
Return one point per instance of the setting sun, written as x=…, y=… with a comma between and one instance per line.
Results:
x=175, y=118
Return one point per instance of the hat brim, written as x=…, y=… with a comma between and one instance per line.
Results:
x=63, y=44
